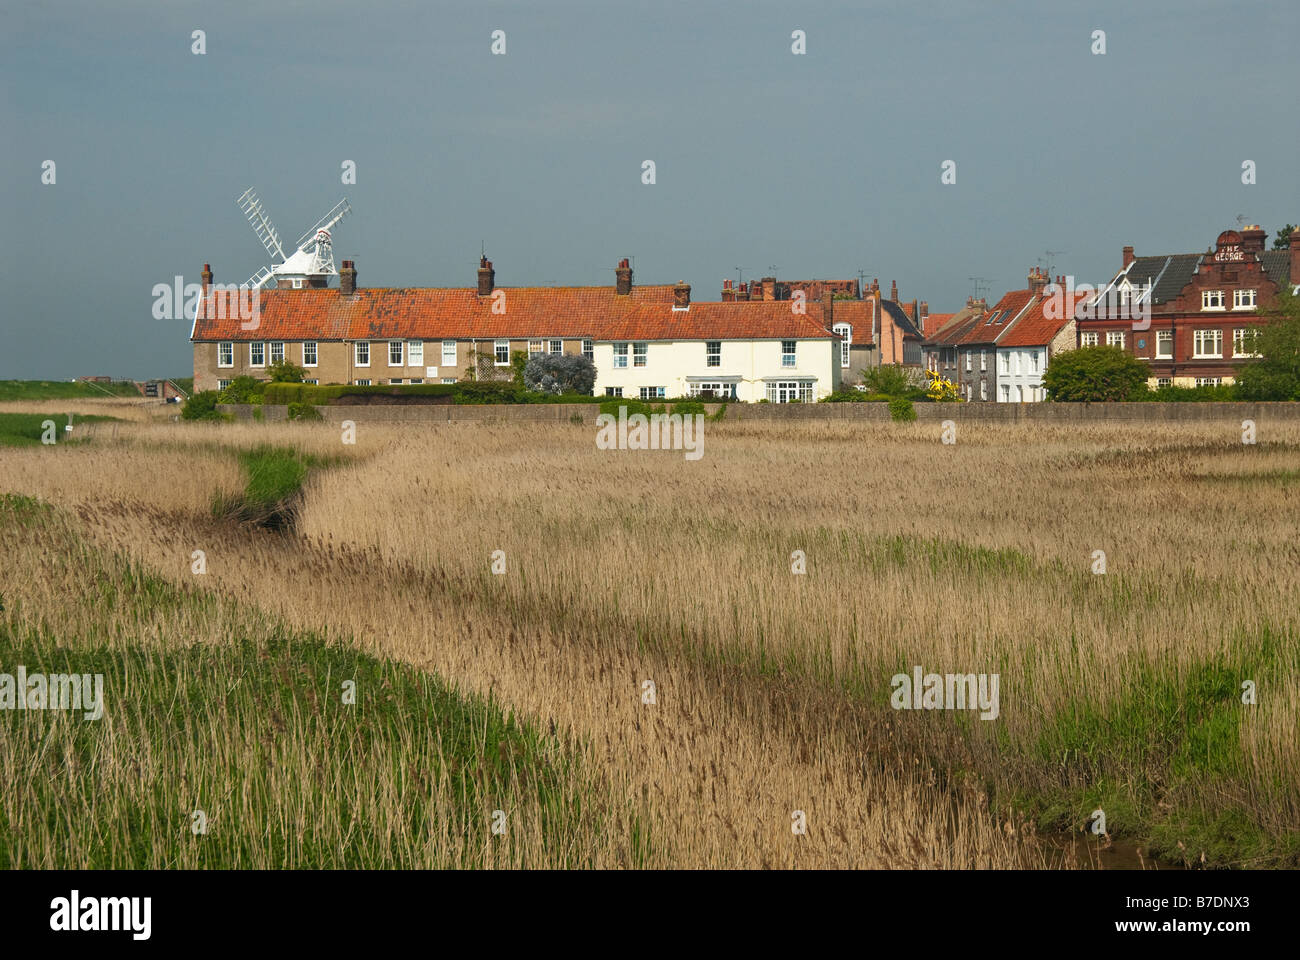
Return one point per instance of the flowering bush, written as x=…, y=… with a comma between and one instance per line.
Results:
x=941, y=389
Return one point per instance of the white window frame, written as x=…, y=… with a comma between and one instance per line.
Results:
x=1209, y=381
x=716, y=387
x=653, y=393
x=401, y=353
x=984, y=389
x=363, y=383
x=1208, y=298
x=315, y=353
x=614, y=392
x=311, y=381
x=497, y=347
x=261, y=345
x=357, y=349
x=1088, y=338
x=1244, y=299
x=1215, y=335
x=449, y=350
x=789, y=354
x=1239, y=337
x=789, y=391
x=588, y=349
x=555, y=347
x=415, y=353
x=640, y=355
x=277, y=346
x=534, y=346
x=448, y=379
x=226, y=347
x=968, y=357
x=713, y=353
x=620, y=356
x=1164, y=382
x=1164, y=337
x=846, y=341
x=984, y=361
x=222, y=384
x=1117, y=338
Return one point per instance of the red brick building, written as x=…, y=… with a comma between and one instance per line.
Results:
x=1202, y=306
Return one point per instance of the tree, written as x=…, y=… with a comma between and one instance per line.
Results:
x=1283, y=239
x=1276, y=375
x=201, y=406
x=244, y=390
x=282, y=371
x=560, y=373
x=889, y=379
x=1095, y=373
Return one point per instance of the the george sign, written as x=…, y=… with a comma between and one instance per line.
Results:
x=1229, y=252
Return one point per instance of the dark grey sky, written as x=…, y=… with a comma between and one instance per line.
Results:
x=823, y=164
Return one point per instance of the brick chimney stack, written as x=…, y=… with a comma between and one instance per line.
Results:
x=1294, y=242
x=207, y=277
x=1128, y=256
x=828, y=307
x=348, y=278
x=1037, y=280
x=1252, y=238
x=623, y=278
x=682, y=294
x=487, y=277
x=767, y=288
x=743, y=292
x=728, y=292
x=893, y=290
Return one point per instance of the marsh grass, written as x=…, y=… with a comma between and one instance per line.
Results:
x=254, y=733
x=1121, y=690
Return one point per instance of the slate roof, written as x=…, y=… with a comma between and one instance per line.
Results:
x=1277, y=267
x=901, y=319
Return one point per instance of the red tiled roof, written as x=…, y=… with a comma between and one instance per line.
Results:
x=857, y=314
x=1012, y=303
x=752, y=320
x=460, y=313
x=1035, y=328
x=952, y=331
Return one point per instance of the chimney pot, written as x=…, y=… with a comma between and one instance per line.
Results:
x=893, y=290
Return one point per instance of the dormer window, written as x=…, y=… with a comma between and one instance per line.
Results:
x=297, y=283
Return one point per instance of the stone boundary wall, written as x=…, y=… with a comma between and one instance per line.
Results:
x=879, y=412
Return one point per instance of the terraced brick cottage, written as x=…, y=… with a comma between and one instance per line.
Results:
x=1203, y=306
x=649, y=341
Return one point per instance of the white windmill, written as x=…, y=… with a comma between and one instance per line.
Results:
x=310, y=264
